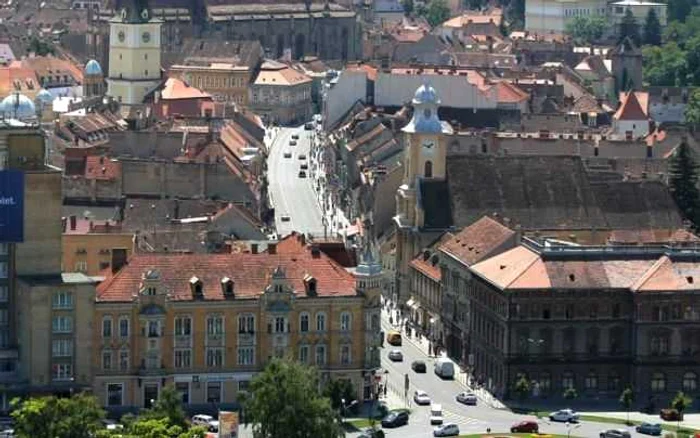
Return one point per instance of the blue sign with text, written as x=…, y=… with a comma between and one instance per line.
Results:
x=11, y=206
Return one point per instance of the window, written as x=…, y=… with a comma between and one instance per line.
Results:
x=123, y=327
x=304, y=322
x=321, y=322
x=213, y=392
x=246, y=324
x=183, y=326
x=614, y=382
x=62, y=300
x=62, y=348
x=658, y=382
x=569, y=312
x=246, y=355
x=304, y=354
x=545, y=382
x=123, y=359
x=591, y=381
x=345, y=321
x=81, y=266
x=106, y=360
x=153, y=329
x=659, y=345
x=345, y=354
x=280, y=324
x=62, y=371
x=567, y=380
x=183, y=358
x=4, y=248
x=4, y=294
x=115, y=394
x=690, y=382
x=215, y=326
x=428, y=171
x=4, y=317
x=3, y=270
x=215, y=357
x=243, y=385
x=62, y=324
x=184, y=389
x=320, y=355
x=107, y=327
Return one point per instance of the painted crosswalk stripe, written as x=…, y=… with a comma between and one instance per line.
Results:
x=459, y=419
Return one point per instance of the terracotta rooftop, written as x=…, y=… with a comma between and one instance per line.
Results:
x=429, y=267
x=509, y=93
x=250, y=273
x=176, y=89
x=477, y=241
x=630, y=109
x=275, y=73
x=102, y=168
x=642, y=98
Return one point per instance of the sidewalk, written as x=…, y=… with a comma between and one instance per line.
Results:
x=460, y=377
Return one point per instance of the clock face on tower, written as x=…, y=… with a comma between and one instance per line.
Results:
x=121, y=35
x=428, y=146
x=146, y=37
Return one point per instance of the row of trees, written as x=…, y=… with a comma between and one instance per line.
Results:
x=588, y=29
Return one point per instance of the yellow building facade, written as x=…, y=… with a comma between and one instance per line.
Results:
x=210, y=323
x=225, y=82
x=89, y=247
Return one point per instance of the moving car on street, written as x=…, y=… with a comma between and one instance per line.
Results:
x=449, y=429
x=287, y=155
x=615, y=433
x=526, y=426
x=395, y=419
x=649, y=429
x=421, y=397
x=467, y=398
x=295, y=136
x=302, y=157
x=435, y=414
x=292, y=142
x=444, y=368
x=394, y=338
x=396, y=355
x=564, y=416
x=418, y=366
x=302, y=174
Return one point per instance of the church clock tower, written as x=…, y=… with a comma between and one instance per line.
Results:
x=134, y=52
x=425, y=142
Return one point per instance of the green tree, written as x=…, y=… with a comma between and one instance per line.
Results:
x=626, y=400
x=146, y=427
x=681, y=402
x=683, y=179
x=436, y=12
x=40, y=47
x=75, y=417
x=407, y=7
x=338, y=390
x=692, y=110
x=168, y=406
x=652, y=29
x=522, y=388
x=665, y=65
x=570, y=393
x=586, y=29
x=678, y=10
x=629, y=27
x=286, y=403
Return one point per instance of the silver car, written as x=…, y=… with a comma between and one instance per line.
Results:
x=615, y=433
x=396, y=355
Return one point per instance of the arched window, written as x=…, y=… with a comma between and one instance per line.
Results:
x=592, y=381
x=345, y=321
x=321, y=322
x=658, y=382
x=304, y=322
x=428, y=171
x=545, y=382
x=567, y=380
x=690, y=382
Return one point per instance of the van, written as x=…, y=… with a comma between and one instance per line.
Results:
x=444, y=368
x=435, y=414
x=394, y=338
x=202, y=420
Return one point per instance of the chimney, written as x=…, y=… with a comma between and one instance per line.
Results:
x=254, y=248
x=73, y=222
x=118, y=259
x=315, y=251
x=272, y=248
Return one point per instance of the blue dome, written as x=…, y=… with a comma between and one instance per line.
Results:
x=18, y=106
x=44, y=97
x=426, y=94
x=93, y=68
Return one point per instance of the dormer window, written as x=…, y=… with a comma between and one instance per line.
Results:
x=196, y=287
x=311, y=285
x=227, y=287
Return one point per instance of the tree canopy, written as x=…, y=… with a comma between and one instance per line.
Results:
x=683, y=180
x=586, y=29
x=435, y=12
x=629, y=27
x=287, y=403
x=75, y=417
x=652, y=29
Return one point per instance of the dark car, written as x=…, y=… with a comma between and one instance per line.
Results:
x=525, y=427
x=671, y=415
x=418, y=366
x=295, y=136
x=649, y=429
x=302, y=174
x=395, y=419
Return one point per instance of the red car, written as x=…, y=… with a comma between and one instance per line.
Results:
x=525, y=427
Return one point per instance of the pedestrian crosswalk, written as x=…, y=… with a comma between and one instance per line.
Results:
x=459, y=419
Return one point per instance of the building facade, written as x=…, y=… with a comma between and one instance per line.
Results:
x=90, y=246
x=281, y=94
x=209, y=323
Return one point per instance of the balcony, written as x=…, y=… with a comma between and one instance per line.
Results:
x=183, y=341
x=214, y=340
x=527, y=358
x=246, y=338
x=152, y=371
x=280, y=340
x=689, y=359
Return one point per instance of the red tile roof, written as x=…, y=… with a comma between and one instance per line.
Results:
x=427, y=267
x=509, y=93
x=102, y=168
x=176, y=89
x=631, y=109
x=251, y=274
x=477, y=241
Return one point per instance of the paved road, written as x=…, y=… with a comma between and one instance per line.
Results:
x=293, y=196
x=471, y=419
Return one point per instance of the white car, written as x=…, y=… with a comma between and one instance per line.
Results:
x=436, y=414
x=202, y=420
x=213, y=426
x=421, y=398
x=468, y=398
x=396, y=355
x=564, y=415
x=449, y=429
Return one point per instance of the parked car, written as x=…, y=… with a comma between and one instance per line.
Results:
x=7, y=433
x=421, y=397
x=395, y=419
x=418, y=366
x=287, y=155
x=295, y=136
x=564, y=415
x=615, y=433
x=302, y=174
x=671, y=415
x=304, y=166
x=213, y=426
x=394, y=338
x=435, y=414
x=525, y=427
x=396, y=355
x=468, y=398
x=449, y=429
x=649, y=429
x=202, y=420
x=372, y=433
x=285, y=218
x=302, y=156
x=292, y=142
